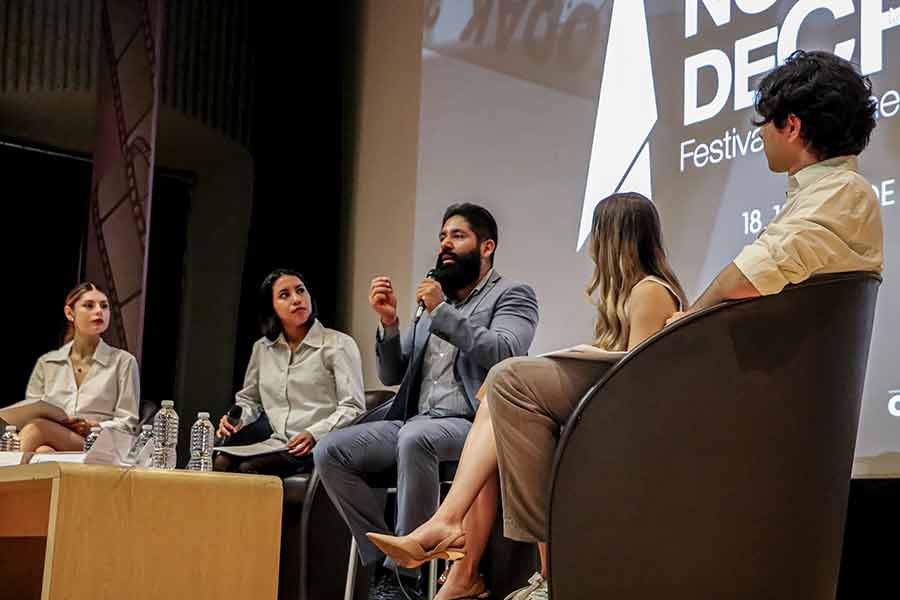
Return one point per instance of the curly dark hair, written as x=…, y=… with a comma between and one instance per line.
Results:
x=829, y=96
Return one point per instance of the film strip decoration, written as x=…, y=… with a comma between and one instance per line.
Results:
x=127, y=105
x=115, y=309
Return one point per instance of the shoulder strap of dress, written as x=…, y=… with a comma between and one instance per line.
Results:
x=663, y=283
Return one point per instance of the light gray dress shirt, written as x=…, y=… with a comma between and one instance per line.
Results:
x=317, y=388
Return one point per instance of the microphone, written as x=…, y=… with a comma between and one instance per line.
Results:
x=234, y=417
x=421, y=309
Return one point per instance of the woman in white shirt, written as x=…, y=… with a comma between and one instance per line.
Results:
x=305, y=378
x=94, y=383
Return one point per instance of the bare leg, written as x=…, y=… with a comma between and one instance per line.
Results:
x=477, y=525
x=477, y=465
x=44, y=449
x=542, y=549
x=43, y=432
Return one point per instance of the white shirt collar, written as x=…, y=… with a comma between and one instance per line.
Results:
x=102, y=354
x=816, y=171
x=315, y=337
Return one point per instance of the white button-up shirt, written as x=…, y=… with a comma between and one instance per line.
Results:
x=830, y=223
x=317, y=388
x=109, y=392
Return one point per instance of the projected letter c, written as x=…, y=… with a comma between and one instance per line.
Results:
x=787, y=41
x=894, y=406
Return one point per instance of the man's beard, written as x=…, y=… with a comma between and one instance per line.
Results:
x=461, y=273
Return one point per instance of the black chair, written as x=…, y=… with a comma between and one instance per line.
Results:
x=714, y=460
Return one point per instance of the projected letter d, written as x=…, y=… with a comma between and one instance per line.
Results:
x=718, y=60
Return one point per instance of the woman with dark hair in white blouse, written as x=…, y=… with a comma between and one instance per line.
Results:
x=305, y=378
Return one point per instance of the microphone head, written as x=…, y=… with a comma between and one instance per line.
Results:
x=234, y=417
x=431, y=273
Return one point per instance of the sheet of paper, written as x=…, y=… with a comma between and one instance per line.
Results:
x=269, y=446
x=586, y=352
x=111, y=448
x=69, y=457
x=145, y=458
x=10, y=459
x=21, y=412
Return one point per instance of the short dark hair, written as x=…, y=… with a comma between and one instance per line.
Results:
x=269, y=322
x=479, y=219
x=832, y=100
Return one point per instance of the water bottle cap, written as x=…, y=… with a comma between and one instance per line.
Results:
x=97, y=428
x=168, y=403
x=147, y=427
x=11, y=428
x=202, y=415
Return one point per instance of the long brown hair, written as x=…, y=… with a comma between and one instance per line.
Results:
x=71, y=299
x=626, y=246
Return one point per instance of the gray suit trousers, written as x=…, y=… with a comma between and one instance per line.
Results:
x=415, y=448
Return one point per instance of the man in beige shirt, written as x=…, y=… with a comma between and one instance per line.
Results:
x=816, y=115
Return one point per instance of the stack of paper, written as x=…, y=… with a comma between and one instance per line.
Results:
x=269, y=446
x=21, y=412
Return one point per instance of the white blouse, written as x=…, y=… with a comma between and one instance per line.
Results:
x=109, y=393
x=317, y=388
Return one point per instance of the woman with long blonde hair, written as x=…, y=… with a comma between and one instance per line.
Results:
x=529, y=399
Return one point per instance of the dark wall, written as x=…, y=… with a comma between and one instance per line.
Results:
x=165, y=285
x=298, y=145
x=42, y=240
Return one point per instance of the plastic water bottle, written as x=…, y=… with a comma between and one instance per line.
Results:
x=165, y=436
x=91, y=438
x=202, y=437
x=9, y=441
x=145, y=436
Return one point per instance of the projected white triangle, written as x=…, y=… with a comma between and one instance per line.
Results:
x=626, y=114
